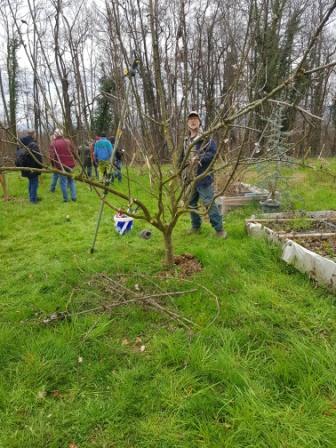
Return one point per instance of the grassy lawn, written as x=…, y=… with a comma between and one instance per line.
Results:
x=261, y=375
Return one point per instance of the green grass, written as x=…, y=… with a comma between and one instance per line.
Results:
x=262, y=375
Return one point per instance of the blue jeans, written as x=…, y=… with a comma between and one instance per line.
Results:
x=88, y=170
x=95, y=166
x=54, y=180
x=206, y=194
x=117, y=171
x=32, y=188
x=68, y=182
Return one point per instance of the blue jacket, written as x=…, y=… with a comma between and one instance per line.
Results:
x=102, y=149
x=205, y=151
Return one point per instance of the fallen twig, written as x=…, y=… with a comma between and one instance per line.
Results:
x=126, y=296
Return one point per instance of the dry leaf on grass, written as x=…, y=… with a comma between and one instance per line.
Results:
x=56, y=393
x=41, y=394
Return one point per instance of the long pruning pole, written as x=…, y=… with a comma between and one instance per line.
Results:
x=128, y=74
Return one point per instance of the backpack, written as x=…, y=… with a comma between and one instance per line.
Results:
x=21, y=157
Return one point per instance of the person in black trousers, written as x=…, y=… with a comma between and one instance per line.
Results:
x=29, y=156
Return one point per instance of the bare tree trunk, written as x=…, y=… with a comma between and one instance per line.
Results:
x=169, y=248
x=62, y=72
x=4, y=102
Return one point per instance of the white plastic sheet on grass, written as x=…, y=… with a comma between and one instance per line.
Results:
x=317, y=267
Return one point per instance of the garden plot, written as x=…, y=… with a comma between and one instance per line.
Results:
x=239, y=194
x=308, y=242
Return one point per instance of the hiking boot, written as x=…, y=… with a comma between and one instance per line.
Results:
x=221, y=234
x=193, y=231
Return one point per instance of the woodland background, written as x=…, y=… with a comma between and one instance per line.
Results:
x=62, y=64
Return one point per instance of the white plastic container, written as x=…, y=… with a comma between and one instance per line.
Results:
x=123, y=224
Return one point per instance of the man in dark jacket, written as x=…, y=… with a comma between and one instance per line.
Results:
x=117, y=163
x=94, y=163
x=85, y=158
x=61, y=153
x=196, y=162
x=29, y=156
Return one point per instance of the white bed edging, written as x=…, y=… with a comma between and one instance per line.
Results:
x=319, y=268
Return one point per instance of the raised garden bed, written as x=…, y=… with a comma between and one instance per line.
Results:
x=300, y=226
x=308, y=241
x=324, y=245
x=240, y=194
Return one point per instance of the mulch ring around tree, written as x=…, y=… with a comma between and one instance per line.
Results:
x=187, y=264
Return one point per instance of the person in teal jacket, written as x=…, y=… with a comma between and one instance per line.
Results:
x=102, y=153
